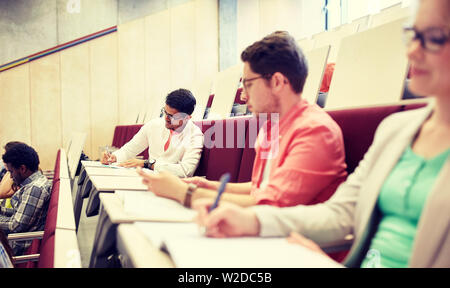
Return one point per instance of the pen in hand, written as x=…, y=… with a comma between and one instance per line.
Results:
x=223, y=182
x=108, y=154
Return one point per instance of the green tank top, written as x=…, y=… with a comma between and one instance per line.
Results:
x=400, y=202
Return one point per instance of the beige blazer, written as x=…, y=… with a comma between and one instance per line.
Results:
x=351, y=209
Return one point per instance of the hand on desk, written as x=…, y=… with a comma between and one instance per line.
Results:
x=296, y=238
x=227, y=220
x=164, y=184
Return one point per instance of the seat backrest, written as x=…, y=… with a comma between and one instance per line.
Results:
x=57, y=166
x=124, y=133
x=46, y=259
x=223, y=146
x=413, y=106
x=210, y=100
x=47, y=247
x=52, y=212
x=237, y=98
x=358, y=127
x=119, y=136
x=130, y=132
x=253, y=124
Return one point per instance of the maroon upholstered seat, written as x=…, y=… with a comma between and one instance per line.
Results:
x=124, y=133
x=46, y=260
x=210, y=100
x=358, y=127
x=223, y=146
x=119, y=136
x=130, y=132
x=57, y=166
x=237, y=98
x=253, y=124
x=413, y=106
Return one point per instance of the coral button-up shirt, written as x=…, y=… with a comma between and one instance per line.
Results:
x=307, y=158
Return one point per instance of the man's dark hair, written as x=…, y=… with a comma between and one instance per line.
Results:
x=22, y=154
x=278, y=52
x=182, y=100
x=11, y=144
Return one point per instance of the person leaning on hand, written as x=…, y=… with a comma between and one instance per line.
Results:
x=397, y=200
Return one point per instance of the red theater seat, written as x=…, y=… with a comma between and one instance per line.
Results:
x=223, y=146
x=47, y=257
x=210, y=100
x=358, y=127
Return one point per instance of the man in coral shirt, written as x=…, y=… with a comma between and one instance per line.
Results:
x=300, y=157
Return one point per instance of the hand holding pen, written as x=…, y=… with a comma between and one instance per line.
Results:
x=223, y=182
x=108, y=157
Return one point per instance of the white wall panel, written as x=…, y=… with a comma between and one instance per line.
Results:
x=45, y=93
x=131, y=45
x=104, y=100
x=15, y=105
x=75, y=94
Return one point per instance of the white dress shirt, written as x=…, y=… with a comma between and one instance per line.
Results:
x=182, y=156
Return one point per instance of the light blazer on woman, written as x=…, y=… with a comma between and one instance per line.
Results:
x=351, y=210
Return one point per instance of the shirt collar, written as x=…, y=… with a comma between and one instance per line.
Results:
x=31, y=178
x=186, y=127
x=293, y=113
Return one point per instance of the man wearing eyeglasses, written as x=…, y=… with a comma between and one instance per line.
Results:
x=174, y=142
x=300, y=156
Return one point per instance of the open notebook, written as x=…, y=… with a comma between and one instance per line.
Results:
x=189, y=249
x=147, y=206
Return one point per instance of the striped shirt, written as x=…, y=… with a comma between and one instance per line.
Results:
x=29, y=209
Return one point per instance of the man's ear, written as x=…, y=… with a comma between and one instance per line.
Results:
x=23, y=169
x=278, y=81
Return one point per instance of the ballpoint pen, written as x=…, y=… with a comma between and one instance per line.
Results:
x=223, y=182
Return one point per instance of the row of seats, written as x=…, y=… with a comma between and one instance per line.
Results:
x=236, y=157
x=229, y=148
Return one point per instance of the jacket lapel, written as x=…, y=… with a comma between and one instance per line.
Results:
x=434, y=221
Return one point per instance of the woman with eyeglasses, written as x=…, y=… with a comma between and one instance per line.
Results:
x=396, y=204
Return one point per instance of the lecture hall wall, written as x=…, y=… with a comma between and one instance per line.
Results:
x=94, y=86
